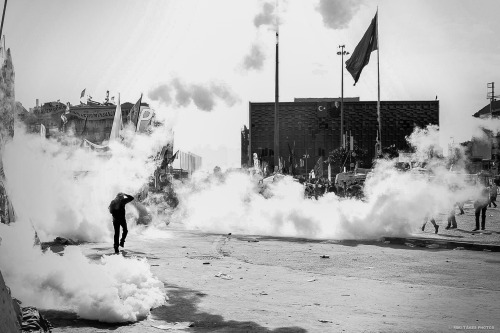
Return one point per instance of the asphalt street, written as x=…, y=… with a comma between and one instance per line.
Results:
x=241, y=283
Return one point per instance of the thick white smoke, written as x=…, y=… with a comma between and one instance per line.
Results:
x=65, y=190
x=61, y=190
x=114, y=290
x=396, y=202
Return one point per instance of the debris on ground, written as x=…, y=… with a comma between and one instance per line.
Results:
x=206, y=263
x=224, y=276
x=65, y=241
x=312, y=280
x=410, y=244
x=324, y=256
x=174, y=326
x=33, y=321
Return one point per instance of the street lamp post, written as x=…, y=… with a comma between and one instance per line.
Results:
x=342, y=53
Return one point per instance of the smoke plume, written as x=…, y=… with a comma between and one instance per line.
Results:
x=396, y=203
x=255, y=59
x=204, y=97
x=63, y=190
x=266, y=16
x=337, y=14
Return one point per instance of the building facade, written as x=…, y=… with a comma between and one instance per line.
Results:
x=310, y=128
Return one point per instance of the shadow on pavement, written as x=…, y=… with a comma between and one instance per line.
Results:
x=183, y=307
x=65, y=319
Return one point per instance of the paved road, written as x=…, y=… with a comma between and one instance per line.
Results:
x=284, y=285
x=466, y=223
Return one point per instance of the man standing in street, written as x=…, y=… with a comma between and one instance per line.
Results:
x=493, y=194
x=117, y=209
x=480, y=206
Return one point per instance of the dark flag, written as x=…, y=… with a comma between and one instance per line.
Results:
x=83, y=93
x=361, y=55
x=133, y=115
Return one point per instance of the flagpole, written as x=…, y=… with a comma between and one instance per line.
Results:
x=3, y=17
x=276, y=99
x=378, y=86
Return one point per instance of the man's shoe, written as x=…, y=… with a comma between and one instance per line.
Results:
x=437, y=227
x=447, y=227
x=116, y=250
x=476, y=229
x=122, y=243
x=453, y=227
x=423, y=227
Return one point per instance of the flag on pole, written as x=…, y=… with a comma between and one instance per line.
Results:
x=133, y=116
x=361, y=55
x=117, y=123
x=318, y=168
x=83, y=93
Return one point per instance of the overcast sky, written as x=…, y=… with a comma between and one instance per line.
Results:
x=205, y=60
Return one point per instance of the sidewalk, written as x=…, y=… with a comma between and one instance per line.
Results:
x=462, y=237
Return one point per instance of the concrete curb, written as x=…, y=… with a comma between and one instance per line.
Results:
x=440, y=243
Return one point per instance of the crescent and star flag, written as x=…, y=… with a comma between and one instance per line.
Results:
x=133, y=115
x=361, y=55
x=83, y=93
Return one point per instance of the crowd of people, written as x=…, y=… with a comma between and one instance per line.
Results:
x=486, y=199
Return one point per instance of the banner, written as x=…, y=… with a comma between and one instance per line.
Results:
x=133, y=115
x=318, y=168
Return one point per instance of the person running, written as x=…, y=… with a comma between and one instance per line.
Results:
x=117, y=210
x=433, y=221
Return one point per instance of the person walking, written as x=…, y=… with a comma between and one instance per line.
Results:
x=493, y=195
x=452, y=221
x=433, y=221
x=480, y=206
x=117, y=210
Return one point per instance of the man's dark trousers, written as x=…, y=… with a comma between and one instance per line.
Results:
x=116, y=225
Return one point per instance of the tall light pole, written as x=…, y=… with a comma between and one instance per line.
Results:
x=342, y=53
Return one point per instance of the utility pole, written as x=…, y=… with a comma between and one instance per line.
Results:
x=491, y=96
x=276, y=99
x=342, y=53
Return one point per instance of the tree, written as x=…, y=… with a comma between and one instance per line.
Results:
x=341, y=156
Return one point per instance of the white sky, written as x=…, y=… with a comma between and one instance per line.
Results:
x=447, y=48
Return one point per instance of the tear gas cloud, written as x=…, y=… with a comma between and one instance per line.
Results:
x=266, y=16
x=396, y=202
x=204, y=96
x=65, y=191
x=114, y=290
x=61, y=190
x=338, y=13
x=255, y=59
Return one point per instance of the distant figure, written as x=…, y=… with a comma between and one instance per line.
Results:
x=460, y=205
x=117, y=209
x=493, y=195
x=436, y=227
x=480, y=205
x=452, y=221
